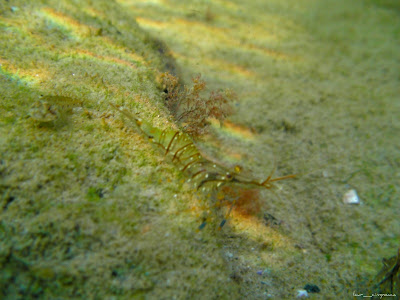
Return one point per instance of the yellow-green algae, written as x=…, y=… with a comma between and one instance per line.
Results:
x=88, y=207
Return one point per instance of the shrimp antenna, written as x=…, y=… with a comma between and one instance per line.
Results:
x=267, y=182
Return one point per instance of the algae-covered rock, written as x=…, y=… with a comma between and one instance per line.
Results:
x=91, y=209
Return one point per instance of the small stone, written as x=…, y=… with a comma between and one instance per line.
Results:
x=302, y=294
x=350, y=197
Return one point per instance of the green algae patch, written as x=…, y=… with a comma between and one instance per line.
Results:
x=84, y=197
x=90, y=209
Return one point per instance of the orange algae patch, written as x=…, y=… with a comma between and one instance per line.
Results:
x=116, y=60
x=31, y=76
x=78, y=29
x=247, y=203
x=151, y=23
x=238, y=130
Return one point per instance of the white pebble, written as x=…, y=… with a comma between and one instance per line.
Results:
x=350, y=197
x=302, y=294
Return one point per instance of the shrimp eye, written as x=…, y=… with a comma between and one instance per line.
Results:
x=228, y=176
